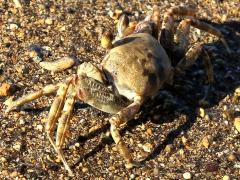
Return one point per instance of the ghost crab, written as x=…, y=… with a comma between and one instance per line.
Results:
x=135, y=68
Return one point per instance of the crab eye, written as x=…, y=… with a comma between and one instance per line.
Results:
x=122, y=24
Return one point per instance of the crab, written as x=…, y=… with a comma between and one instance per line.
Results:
x=135, y=68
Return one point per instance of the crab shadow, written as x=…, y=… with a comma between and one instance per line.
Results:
x=184, y=96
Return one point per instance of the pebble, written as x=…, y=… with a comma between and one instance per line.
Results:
x=184, y=140
x=85, y=169
x=132, y=176
x=187, y=175
x=236, y=165
x=17, y=146
x=3, y=159
x=147, y=147
x=17, y=3
x=4, y=172
x=33, y=54
x=168, y=148
x=181, y=153
x=237, y=92
x=5, y=89
x=49, y=21
x=231, y=157
x=226, y=122
x=19, y=69
x=39, y=127
x=21, y=34
x=77, y=144
x=58, y=65
x=224, y=18
x=207, y=117
x=149, y=132
x=205, y=142
x=156, y=171
x=237, y=123
x=201, y=112
x=13, y=26
x=226, y=177
x=21, y=121
x=2, y=78
x=47, y=48
x=106, y=40
x=62, y=28
x=14, y=174
x=111, y=168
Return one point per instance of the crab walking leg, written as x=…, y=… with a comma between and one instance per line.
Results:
x=190, y=58
x=181, y=38
x=210, y=29
x=63, y=125
x=119, y=119
x=30, y=97
x=156, y=21
x=56, y=109
x=208, y=66
x=167, y=33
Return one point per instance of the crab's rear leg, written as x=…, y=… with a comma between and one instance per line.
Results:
x=30, y=97
x=182, y=34
x=189, y=59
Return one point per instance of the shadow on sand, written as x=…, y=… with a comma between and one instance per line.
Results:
x=184, y=96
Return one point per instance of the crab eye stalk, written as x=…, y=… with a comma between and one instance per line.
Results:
x=106, y=40
x=122, y=25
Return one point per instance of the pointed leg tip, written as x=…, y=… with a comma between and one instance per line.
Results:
x=133, y=165
x=69, y=170
x=9, y=104
x=70, y=173
x=9, y=109
x=229, y=51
